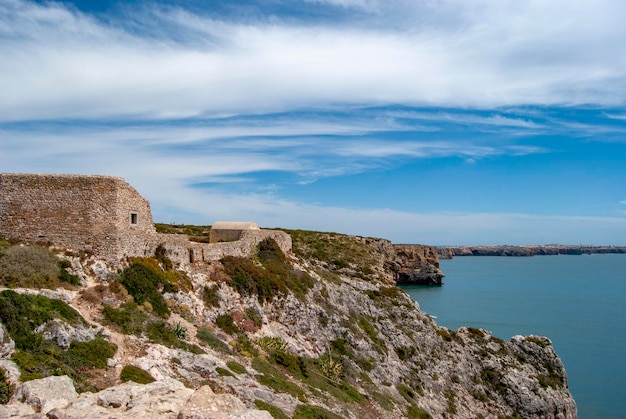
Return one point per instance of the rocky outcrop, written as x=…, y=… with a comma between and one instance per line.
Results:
x=47, y=393
x=63, y=333
x=416, y=265
x=55, y=397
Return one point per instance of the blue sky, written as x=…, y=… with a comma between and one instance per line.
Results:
x=434, y=121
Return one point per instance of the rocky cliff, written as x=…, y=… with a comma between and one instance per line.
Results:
x=318, y=332
x=417, y=265
x=449, y=252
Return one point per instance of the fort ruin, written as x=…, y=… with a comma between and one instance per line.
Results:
x=107, y=217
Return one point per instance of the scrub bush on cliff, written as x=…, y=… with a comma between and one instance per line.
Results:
x=270, y=276
x=145, y=283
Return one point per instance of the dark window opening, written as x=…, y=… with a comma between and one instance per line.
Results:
x=133, y=218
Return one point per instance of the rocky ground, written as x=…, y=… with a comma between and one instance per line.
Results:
x=321, y=332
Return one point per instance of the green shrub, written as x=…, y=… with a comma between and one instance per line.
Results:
x=28, y=267
x=407, y=392
x=6, y=389
x=405, y=352
x=212, y=341
x=135, y=374
x=90, y=354
x=274, y=277
x=273, y=410
x=143, y=283
x=65, y=276
x=305, y=411
x=294, y=364
x=128, y=319
x=451, y=408
x=245, y=346
x=210, y=297
x=227, y=324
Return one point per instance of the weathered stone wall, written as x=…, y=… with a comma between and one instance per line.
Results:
x=224, y=231
x=181, y=250
x=103, y=215
x=90, y=213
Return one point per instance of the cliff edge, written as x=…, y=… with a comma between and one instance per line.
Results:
x=321, y=331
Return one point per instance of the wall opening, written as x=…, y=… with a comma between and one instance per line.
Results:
x=134, y=217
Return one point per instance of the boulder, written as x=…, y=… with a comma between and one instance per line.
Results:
x=47, y=393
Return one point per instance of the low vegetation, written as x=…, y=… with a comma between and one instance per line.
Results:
x=273, y=410
x=6, y=389
x=336, y=252
x=39, y=358
x=196, y=233
x=266, y=276
x=130, y=319
x=135, y=374
x=307, y=411
x=146, y=282
x=33, y=267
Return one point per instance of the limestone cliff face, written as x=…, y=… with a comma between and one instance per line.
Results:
x=416, y=264
x=344, y=340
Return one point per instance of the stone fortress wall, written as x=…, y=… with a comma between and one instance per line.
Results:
x=102, y=215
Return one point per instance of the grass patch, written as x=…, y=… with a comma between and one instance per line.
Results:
x=223, y=372
x=236, y=367
x=306, y=411
x=212, y=341
x=372, y=333
x=273, y=410
x=273, y=378
x=415, y=412
x=136, y=375
x=31, y=267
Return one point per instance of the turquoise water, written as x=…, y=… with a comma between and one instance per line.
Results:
x=579, y=302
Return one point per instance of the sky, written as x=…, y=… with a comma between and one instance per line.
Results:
x=445, y=122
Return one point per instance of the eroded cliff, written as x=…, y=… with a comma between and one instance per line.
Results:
x=320, y=332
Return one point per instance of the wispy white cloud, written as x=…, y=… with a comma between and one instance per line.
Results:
x=58, y=62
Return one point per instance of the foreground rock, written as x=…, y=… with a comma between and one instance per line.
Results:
x=55, y=397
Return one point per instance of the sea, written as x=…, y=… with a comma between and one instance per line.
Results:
x=579, y=302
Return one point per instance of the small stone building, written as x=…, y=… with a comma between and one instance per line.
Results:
x=228, y=231
x=103, y=215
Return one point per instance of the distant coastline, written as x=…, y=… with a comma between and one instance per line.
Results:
x=448, y=252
